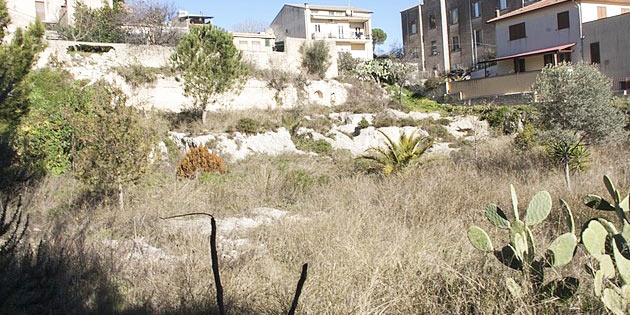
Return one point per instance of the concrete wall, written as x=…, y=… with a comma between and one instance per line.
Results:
x=541, y=28
x=290, y=22
x=589, y=10
x=613, y=36
x=167, y=93
x=500, y=85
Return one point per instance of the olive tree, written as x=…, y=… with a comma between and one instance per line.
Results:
x=578, y=98
x=576, y=108
x=209, y=63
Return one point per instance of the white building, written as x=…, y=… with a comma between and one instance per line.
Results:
x=552, y=31
x=256, y=42
x=25, y=12
x=548, y=32
x=350, y=28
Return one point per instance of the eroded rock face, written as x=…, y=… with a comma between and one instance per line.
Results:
x=238, y=146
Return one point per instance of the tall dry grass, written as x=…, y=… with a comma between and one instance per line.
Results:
x=375, y=245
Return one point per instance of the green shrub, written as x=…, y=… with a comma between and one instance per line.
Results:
x=578, y=98
x=248, y=126
x=347, y=63
x=200, y=160
x=316, y=58
x=104, y=25
x=115, y=143
x=307, y=144
x=137, y=75
x=45, y=141
x=363, y=123
x=526, y=139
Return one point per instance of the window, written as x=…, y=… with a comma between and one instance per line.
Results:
x=476, y=9
x=595, y=58
x=549, y=60
x=564, y=57
x=318, y=28
x=563, y=20
x=519, y=65
x=341, y=31
x=267, y=43
x=434, y=48
x=601, y=13
x=502, y=4
x=517, y=31
x=478, y=38
x=432, y=24
x=455, y=44
x=413, y=28
x=40, y=10
x=454, y=16
x=624, y=85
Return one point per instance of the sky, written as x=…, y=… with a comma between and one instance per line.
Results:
x=228, y=13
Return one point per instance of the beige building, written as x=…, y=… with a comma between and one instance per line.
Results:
x=256, y=42
x=350, y=28
x=552, y=31
x=25, y=12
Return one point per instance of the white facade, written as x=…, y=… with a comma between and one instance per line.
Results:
x=25, y=12
x=543, y=34
x=256, y=42
x=350, y=28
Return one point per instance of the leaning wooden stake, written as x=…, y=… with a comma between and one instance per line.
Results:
x=213, y=256
x=298, y=290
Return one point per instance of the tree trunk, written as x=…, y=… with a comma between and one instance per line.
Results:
x=204, y=116
x=567, y=175
x=121, y=197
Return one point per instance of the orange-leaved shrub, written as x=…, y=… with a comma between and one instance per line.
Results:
x=200, y=160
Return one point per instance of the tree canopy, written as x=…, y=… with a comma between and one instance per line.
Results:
x=378, y=36
x=209, y=63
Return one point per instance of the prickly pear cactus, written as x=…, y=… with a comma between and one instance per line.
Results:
x=521, y=253
x=610, y=249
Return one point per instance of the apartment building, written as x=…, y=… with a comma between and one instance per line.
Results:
x=25, y=12
x=453, y=34
x=553, y=31
x=348, y=27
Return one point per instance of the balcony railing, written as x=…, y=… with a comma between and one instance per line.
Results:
x=351, y=36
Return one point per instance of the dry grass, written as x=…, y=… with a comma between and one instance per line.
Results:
x=387, y=245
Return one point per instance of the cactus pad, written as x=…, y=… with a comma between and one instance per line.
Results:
x=513, y=287
x=623, y=264
x=598, y=203
x=514, y=202
x=561, y=249
x=497, y=217
x=538, y=209
x=594, y=238
x=613, y=301
x=480, y=239
x=569, y=214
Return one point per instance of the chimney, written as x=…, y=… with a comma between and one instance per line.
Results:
x=497, y=13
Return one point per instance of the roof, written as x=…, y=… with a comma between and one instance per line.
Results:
x=196, y=15
x=529, y=8
x=410, y=8
x=536, y=52
x=254, y=35
x=329, y=7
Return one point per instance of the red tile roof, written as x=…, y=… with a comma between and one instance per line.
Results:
x=532, y=7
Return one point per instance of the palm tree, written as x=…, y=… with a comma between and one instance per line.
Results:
x=398, y=155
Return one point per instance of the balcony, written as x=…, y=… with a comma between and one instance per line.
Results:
x=353, y=36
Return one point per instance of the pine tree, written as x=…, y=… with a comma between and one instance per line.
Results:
x=209, y=63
